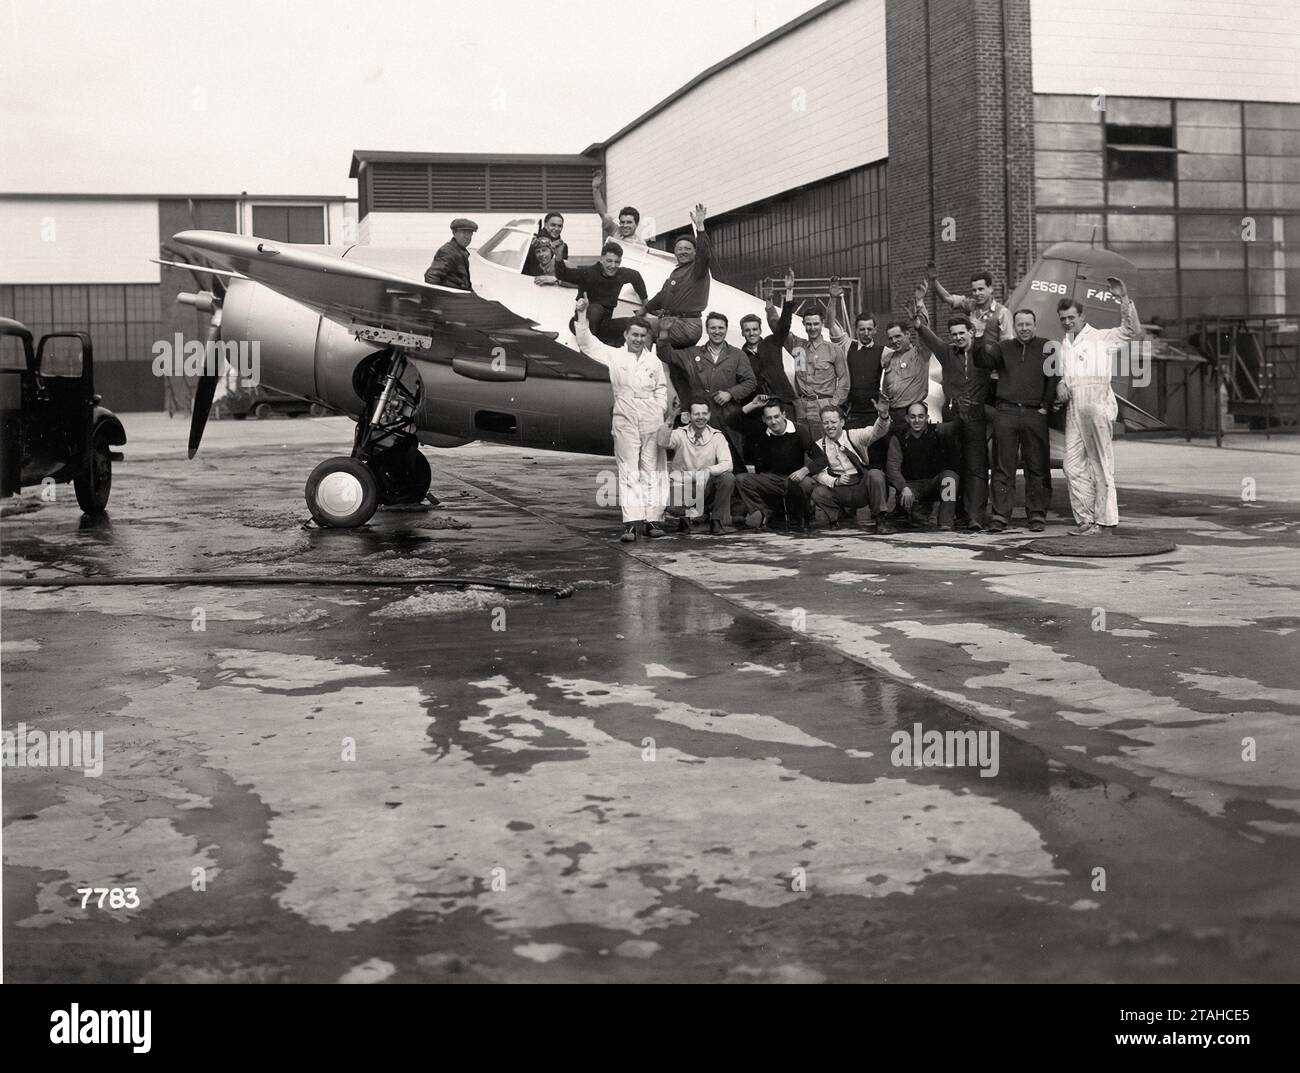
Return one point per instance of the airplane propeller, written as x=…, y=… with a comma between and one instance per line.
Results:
x=206, y=389
x=209, y=299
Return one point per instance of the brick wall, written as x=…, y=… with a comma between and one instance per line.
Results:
x=961, y=148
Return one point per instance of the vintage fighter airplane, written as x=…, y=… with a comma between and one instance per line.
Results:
x=356, y=329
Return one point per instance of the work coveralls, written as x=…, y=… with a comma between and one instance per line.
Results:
x=640, y=401
x=1089, y=461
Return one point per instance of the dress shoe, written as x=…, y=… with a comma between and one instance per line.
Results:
x=884, y=526
x=997, y=525
x=754, y=519
x=716, y=528
x=629, y=533
x=1083, y=529
x=1037, y=525
x=652, y=530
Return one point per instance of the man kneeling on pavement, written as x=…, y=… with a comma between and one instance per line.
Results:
x=923, y=464
x=840, y=479
x=700, y=478
x=772, y=494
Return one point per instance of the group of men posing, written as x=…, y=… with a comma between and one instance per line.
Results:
x=852, y=429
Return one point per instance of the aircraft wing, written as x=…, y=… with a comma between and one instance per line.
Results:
x=355, y=295
x=351, y=293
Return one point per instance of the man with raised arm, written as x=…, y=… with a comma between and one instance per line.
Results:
x=980, y=307
x=1089, y=462
x=640, y=408
x=622, y=231
x=674, y=313
x=766, y=354
x=1026, y=392
x=966, y=387
x=840, y=477
x=821, y=371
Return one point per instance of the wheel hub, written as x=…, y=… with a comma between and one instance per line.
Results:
x=339, y=493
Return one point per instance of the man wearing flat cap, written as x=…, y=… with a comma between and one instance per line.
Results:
x=450, y=266
x=675, y=312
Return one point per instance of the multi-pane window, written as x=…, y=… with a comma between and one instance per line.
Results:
x=837, y=227
x=1200, y=195
x=122, y=318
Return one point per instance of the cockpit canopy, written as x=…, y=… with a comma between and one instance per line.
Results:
x=509, y=249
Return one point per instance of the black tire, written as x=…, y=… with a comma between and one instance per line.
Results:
x=417, y=478
x=317, y=410
x=95, y=482
x=349, y=496
x=262, y=411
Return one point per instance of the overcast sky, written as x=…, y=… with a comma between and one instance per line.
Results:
x=272, y=96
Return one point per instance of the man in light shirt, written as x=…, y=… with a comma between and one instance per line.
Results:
x=980, y=307
x=1085, y=358
x=840, y=478
x=636, y=376
x=700, y=478
x=820, y=361
x=904, y=374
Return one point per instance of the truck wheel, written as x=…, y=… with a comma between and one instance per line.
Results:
x=317, y=410
x=262, y=411
x=342, y=493
x=94, y=483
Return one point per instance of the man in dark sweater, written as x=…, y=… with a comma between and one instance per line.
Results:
x=966, y=386
x=601, y=284
x=771, y=494
x=922, y=466
x=863, y=358
x=766, y=354
x=681, y=301
x=1026, y=393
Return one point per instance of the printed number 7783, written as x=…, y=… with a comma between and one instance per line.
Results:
x=118, y=897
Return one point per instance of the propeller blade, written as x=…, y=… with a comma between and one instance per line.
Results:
x=204, y=392
x=207, y=387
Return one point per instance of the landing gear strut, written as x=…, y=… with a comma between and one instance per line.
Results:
x=386, y=465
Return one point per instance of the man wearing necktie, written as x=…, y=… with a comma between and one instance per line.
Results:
x=840, y=478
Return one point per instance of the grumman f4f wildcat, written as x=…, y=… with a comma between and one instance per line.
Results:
x=356, y=329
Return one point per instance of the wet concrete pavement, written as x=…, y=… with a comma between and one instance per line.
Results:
x=682, y=773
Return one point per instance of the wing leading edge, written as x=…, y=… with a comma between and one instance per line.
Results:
x=359, y=295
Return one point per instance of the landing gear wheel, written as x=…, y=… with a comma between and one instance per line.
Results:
x=342, y=493
x=317, y=410
x=96, y=481
x=262, y=411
